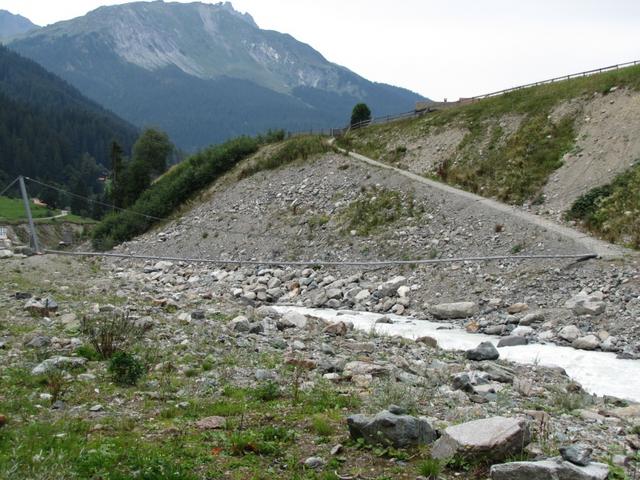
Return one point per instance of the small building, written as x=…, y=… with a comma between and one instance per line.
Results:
x=39, y=203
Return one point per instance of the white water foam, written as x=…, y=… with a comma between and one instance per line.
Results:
x=598, y=372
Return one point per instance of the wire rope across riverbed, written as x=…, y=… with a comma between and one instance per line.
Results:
x=346, y=263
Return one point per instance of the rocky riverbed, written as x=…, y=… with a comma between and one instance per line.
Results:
x=231, y=388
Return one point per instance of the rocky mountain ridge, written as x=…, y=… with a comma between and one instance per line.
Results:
x=203, y=72
x=12, y=25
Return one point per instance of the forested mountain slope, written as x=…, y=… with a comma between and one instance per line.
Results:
x=49, y=131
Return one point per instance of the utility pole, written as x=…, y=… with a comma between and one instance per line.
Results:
x=35, y=245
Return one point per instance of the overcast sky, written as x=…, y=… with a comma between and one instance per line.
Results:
x=441, y=49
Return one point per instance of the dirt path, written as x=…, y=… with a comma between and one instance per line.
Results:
x=592, y=245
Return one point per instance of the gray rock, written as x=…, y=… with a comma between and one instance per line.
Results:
x=570, y=333
x=577, y=454
x=484, y=351
x=495, y=438
x=517, y=308
x=467, y=380
x=385, y=320
x=292, y=320
x=336, y=328
x=429, y=341
x=362, y=295
x=365, y=368
x=403, y=291
x=494, y=329
x=532, y=318
x=39, y=341
x=498, y=373
x=256, y=328
x=262, y=375
x=587, y=304
x=589, y=308
x=588, y=342
x=336, y=449
x=319, y=298
x=334, y=293
x=512, y=341
x=265, y=311
x=315, y=463
x=58, y=362
x=446, y=311
x=522, y=331
x=553, y=469
x=240, y=324
x=389, y=429
x=390, y=287
x=6, y=254
x=50, y=304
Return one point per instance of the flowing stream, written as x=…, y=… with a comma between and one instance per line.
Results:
x=598, y=372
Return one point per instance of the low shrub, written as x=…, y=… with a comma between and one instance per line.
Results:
x=430, y=468
x=266, y=391
x=297, y=148
x=613, y=211
x=109, y=334
x=378, y=207
x=126, y=369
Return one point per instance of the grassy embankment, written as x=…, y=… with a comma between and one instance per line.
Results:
x=513, y=168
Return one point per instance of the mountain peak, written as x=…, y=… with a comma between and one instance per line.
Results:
x=11, y=24
x=203, y=71
x=228, y=7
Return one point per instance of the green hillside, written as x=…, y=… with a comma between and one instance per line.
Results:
x=514, y=166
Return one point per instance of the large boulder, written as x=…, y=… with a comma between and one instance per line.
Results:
x=587, y=303
x=292, y=320
x=578, y=454
x=391, y=429
x=58, y=362
x=484, y=351
x=240, y=324
x=446, y=311
x=512, y=341
x=570, y=333
x=390, y=287
x=588, y=342
x=494, y=438
x=553, y=469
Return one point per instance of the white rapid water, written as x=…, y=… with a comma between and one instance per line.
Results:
x=598, y=372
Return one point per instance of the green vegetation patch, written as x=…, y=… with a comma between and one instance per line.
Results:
x=513, y=168
x=13, y=209
x=12, y=212
x=171, y=191
x=377, y=207
x=297, y=148
x=612, y=211
x=517, y=170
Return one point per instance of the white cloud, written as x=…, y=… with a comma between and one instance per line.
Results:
x=439, y=48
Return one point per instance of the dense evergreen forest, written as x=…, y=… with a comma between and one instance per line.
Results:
x=51, y=132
